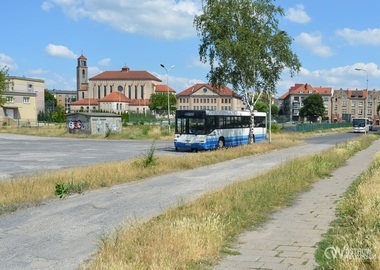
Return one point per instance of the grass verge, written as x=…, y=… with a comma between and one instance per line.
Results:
x=33, y=189
x=193, y=235
x=353, y=241
x=127, y=133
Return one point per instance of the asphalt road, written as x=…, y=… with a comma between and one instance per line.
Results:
x=20, y=154
x=63, y=234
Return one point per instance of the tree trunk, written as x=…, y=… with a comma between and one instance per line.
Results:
x=252, y=126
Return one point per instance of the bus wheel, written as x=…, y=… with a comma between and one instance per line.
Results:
x=220, y=143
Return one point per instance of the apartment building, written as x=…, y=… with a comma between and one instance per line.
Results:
x=341, y=105
x=292, y=101
x=115, y=91
x=203, y=96
x=348, y=104
x=24, y=97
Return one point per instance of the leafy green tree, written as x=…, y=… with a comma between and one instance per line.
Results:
x=3, y=83
x=159, y=102
x=50, y=102
x=244, y=46
x=313, y=107
x=261, y=106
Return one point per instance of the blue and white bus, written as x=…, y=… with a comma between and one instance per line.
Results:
x=205, y=129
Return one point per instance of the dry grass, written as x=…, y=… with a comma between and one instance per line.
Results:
x=356, y=233
x=133, y=132
x=35, y=188
x=193, y=236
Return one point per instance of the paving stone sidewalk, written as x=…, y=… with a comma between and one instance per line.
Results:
x=289, y=240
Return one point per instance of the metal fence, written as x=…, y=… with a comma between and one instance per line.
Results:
x=314, y=127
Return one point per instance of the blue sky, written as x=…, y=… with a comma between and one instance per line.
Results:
x=42, y=39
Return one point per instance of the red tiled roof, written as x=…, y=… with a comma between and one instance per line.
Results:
x=163, y=88
x=85, y=101
x=223, y=91
x=125, y=74
x=299, y=88
x=82, y=57
x=115, y=97
x=361, y=94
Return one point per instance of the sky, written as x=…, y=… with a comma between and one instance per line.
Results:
x=43, y=39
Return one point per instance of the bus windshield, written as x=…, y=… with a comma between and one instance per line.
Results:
x=358, y=122
x=190, y=126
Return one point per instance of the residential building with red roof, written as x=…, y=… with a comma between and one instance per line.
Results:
x=292, y=101
x=203, y=96
x=348, y=104
x=341, y=105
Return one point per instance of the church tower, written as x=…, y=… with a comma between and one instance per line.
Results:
x=82, y=76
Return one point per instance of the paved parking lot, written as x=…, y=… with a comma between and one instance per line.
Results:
x=20, y=154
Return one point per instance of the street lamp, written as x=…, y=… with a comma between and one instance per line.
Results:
x=366, y=104
x=167, y=84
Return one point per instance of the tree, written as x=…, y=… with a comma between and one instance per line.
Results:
x=313, y=107
x=3, y=83
x=50, y=102
x=159, y=102
x=244, y=46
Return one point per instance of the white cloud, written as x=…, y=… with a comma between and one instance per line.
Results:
x=92, y=71
x=60, y=51
x=47, y=6
x=355, y=37
x=104, y=62
x=297, y=15
x=164, y=19
x=7, y=62
x=313, y=43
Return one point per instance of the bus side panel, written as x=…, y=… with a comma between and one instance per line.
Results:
x=195, y=142
x=260, y=134
x=235, y=137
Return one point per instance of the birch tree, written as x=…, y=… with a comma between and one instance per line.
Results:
x=242, y=42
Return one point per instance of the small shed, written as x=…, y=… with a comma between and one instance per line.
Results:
x=93, y=123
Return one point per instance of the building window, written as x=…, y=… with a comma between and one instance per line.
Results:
x=344, y=103
x=9, y=99
x=25, y=100
x=344, y=110
x=83, y=74
x=130, y=91
x=105, y=90
x=353, y=103
x=135, y=91
x=30, y=87
x=360, y=103
x=352, y=111
x=98, y=91
x=110, y=88
x=142, y=91
x=360, y=112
